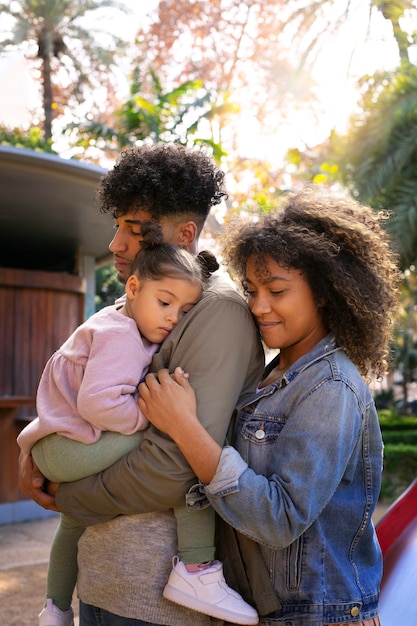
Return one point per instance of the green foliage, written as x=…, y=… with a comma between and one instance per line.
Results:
x=391, y=419
x=400, y=469
x=108, y=286
x=377, y=158
x=313, y=166
x=404, y=345
x=172, y=116
x=399, y=434
x=404, y=437
x=31, y=139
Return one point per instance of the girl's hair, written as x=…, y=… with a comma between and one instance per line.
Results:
x=345, y=255
x=158, y=259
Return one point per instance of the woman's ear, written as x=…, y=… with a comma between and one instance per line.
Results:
x=132, y=286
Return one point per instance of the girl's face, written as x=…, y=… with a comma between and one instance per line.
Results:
x=284, y=308
x=158, y=305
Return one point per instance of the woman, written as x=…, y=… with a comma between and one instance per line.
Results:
x=303, y=480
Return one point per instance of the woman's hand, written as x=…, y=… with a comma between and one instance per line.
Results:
x=168, y=401
x=32, y=481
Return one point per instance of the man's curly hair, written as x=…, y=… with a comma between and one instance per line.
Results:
x=163, y=179
x=345, y=255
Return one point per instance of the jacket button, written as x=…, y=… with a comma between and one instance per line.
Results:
x=355, y=611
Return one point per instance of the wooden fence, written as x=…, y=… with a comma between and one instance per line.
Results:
x=38, y=311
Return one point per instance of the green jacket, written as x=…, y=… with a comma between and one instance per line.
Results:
x=218, y=344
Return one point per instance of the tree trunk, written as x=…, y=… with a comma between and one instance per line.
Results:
x=402, y=41
x=45, y=53
x=393, y=11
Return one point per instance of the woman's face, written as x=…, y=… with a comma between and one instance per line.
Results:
x=284, y=308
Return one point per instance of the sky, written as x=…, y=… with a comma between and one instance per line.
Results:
x=344, y=58
x=335, y=88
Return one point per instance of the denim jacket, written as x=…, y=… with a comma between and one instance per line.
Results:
x=303, y=483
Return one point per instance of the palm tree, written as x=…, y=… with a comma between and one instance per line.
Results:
x=376, y=159
x=311, y=22
x=59, y=41
x=378, y=156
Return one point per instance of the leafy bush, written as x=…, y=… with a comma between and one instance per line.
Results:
x=400, y=469
x=399, y=433
x=390, y=419
x=403, y=436
x=20, y=138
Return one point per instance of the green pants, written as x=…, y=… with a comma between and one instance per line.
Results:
x=64, y=460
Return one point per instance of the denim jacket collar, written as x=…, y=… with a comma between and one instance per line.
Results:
x=326, y=346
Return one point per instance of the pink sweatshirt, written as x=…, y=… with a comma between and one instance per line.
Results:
x=90, y=383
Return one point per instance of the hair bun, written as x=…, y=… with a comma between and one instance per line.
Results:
x=151, y=234
x=208, y=263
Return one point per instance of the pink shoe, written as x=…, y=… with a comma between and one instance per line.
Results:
x=206, y=591
x=51, y=615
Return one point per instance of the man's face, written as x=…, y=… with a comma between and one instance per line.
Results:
x=126, y=241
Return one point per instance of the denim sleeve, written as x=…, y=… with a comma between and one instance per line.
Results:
x=230, y=468
x=226, y=480
x=305, y=461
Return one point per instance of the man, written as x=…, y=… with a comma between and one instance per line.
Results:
x=124, y=563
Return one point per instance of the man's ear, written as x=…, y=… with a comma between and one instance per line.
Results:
x=132, y=286
x=187, y=234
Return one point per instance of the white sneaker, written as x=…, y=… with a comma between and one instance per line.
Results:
x=206, y=591
x=51, y=615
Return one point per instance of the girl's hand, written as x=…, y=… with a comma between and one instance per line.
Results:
x=168, y=401
x=178, y=373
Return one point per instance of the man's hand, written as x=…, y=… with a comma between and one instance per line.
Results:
x=31, y=483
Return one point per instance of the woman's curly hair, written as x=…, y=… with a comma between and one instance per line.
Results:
x=345, y=255
x=163, y=179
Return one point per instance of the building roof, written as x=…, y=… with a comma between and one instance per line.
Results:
x=48, y=218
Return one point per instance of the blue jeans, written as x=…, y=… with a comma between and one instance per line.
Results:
x=93, y=616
